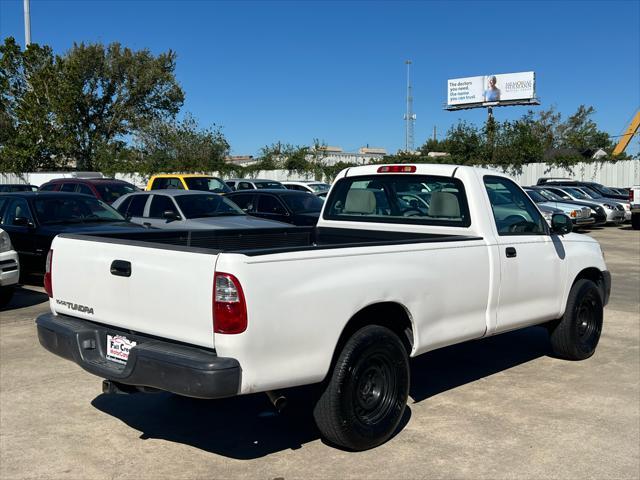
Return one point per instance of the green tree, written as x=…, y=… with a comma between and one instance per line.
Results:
x=80, y=105
x=176, y=146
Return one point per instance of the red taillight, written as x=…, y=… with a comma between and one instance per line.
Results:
x=631, y=195
x=48, y=280
x=229, y=307
x=397, y=169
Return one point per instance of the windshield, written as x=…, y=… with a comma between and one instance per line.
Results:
x=535, y=196
x=304, y=203
x=590, y=192
x=319, y=187
x=207, y=184
x=602, y=189
x=74, y=210
x=110, y=192
x=200, y=206
x=550, y=195
x=574, y=192
x=270, y=185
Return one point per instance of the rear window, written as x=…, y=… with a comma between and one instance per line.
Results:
x=207, y=184
x=410, y=199
x=262, y=185
x=136, y=208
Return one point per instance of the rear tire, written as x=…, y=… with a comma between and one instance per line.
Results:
x=366, y=393
x=576, y=335
x=635, y=221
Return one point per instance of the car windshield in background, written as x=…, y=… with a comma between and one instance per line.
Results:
x=303, y=203
x=110, y=192
x=319, y=187
x=576, y=193
x=270, y=185
x=535, y=196
x=18, y=188
x=605, y=190
x=200, y=206
x=207, y=184
x=419, y=199
x=74, y=210
x=550, y=196
x=591, y=192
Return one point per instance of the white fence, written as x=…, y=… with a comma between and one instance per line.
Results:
x=620, y=174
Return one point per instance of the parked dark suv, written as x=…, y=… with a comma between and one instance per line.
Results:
x=106, y=189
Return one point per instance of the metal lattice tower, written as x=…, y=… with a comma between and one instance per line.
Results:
x=409, y=117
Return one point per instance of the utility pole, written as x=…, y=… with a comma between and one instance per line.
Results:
x=27, y=24
x=434, y=133
x=409, y=117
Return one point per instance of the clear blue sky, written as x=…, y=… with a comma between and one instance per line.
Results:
x=291, y=71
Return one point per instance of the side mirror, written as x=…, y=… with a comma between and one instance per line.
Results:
x=22, y=222
x=561, y=224
x=170, y=215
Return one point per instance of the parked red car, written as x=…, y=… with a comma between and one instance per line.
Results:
x=106, y=189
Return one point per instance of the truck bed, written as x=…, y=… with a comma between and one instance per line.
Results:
x=266, y=241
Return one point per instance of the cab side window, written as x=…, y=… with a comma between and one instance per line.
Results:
x=68, y=187
x=245, y=186
x=513, y=211
x=244, y=201
x=136, y=207
x=270, y=204
x=85, y=190
x=159, y=205
x=49, y=188
x=18, y=209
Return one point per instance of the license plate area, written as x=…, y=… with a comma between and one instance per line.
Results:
x=118, y=348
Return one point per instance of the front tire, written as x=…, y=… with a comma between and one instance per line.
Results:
x=6, y=293
x=367, y=391
x=635, y=221
x=576, y=335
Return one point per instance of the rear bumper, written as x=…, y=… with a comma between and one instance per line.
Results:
x=165, y=365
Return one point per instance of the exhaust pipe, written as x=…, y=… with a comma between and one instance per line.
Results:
x=278, y=400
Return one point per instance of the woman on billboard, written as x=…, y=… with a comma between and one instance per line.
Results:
x=492, y=93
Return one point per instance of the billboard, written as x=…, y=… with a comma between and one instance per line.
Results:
x=493, y=89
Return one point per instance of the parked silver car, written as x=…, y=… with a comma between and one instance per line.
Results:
x=187, y=209
x=615, y=212
x=580, y=216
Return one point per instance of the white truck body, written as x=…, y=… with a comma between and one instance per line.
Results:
x=299, y=301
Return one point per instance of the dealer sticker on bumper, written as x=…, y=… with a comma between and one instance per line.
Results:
x=118, y=348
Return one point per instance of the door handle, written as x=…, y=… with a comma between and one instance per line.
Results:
x=511, y=252
x=121, y=268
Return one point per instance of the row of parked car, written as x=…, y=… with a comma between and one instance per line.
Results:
x=33, y=216
x=30, y=217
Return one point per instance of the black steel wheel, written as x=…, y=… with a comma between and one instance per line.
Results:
x=366, y=393
x=577, y=334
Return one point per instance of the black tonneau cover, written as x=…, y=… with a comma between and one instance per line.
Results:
x=264, y=241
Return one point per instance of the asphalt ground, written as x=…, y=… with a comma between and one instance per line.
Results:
x=494, y=408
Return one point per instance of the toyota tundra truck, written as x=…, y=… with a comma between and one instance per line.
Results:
x=404, y=259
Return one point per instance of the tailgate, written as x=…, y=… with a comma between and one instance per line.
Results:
x=168, y=292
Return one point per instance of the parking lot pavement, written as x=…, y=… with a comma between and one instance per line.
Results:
x=494, y=408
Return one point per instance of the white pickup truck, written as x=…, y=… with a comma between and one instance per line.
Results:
x=404, y=259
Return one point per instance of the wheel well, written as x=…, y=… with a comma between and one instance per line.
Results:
x=592, y=274
x=386, y=314
x=595, y=276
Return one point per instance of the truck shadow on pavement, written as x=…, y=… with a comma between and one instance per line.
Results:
x=247, y=427
x=24, y=297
